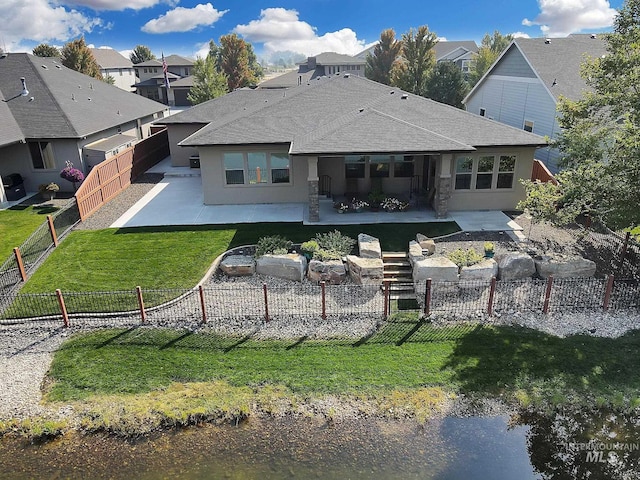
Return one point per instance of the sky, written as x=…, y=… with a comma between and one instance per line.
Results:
x=184, y=27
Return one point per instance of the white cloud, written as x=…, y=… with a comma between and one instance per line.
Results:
x=520, y=35
x=182, y=19
x=559, y=18
x=117, y=4
x=281, y=30
x=40, y=21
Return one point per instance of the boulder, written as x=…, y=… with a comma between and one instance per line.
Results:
x=515, y=266
x=436, y=268
x=331, y=271
x=368, y=246
x=485, y=270
x=365, y=271
x=427, y=244
x=564, y=266
x=290, y=266
x=238, y=265
x=415, y=252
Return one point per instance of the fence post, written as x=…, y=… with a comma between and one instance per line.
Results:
x=492, y=292
x=625, y=246
x=547, y=294
x=386, y=298
x=52, y=230
x=202, y=304
x=607, y=293
x=63, y=308
x=143, y=314
x=266, y=303
x=427, y=298
x=324, y=301
x=23, y=272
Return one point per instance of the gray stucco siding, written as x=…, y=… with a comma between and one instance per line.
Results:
x=178, y=132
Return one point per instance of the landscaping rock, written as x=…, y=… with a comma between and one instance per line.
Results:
x=427, y=244
x=365, y=271
x=564, y=266
x=238, y=265
x=290, y=266
x=435, y=268
x=415, y=252
x=331, y=271
x=368, y=246
x=515, y=266
x=485, y=270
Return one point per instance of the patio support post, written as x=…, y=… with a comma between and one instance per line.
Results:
x=443, y=187
x=313, y=181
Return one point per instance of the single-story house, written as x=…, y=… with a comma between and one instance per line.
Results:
x=347, y=135
x=50, y=114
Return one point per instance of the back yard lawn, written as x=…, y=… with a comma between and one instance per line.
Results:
x=17, y=223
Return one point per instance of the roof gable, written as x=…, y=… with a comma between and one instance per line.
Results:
x=109, y=58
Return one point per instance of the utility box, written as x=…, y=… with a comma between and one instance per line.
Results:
x=194, y=161
x=97, y=152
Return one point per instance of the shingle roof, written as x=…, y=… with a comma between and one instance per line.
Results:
x=9, y=130
x=560, y=60
x=291, y=79
x=349, y=114
x=333, y=58
x=109, y=58
x=441, y=49
x=66, y=104
x=172, y=60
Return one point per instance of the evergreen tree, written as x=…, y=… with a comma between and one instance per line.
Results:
x=234, y=62
x=77, y=56
x=46, y=50
x=418, y=59
x=208, y=82
x=141, y=54
x=385, y=55
x=446, y=84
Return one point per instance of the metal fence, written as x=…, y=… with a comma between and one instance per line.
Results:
x=39, y=243
x=234, y=308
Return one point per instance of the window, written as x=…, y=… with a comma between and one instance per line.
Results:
x=354, y=166
x=120, y=71
x=234, y=168
x=280, y=168
x=403, y=167
x=465, y=66
x=464, y=172
x=528, y=126
x=145, y=70
x=257, y=164
x=506, y=171
x=379, y=166
x=484, y=175
x=483, y=112
x=186, y=72
x=155, y=70
x=42, y=155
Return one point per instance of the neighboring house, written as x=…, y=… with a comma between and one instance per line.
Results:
x=117, y=67
x=523, y=86
x=151, y=83
x=324, y=64
x=346, y=135
x=458, y=52
x=62, y=116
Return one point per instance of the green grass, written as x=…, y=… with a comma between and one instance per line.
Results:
x=516, y=363
x=174, y=257
x=17, y=223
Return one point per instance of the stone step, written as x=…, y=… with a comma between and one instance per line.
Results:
x=402, y=264
x=399, y=280
x=397, y=276
x=393, y=255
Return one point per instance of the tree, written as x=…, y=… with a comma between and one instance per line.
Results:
x=109, y=79
x=254, y=65
x=446, y=84
x=418, y=59
x=77, y=56
x=141, y=54
x=490, y=49
x=234, y=62
x=599, y=137
x=208, y=82
x=384, y=57
x=46, y=50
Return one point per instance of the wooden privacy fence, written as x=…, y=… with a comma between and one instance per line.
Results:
x=109, y=178
x=541, y=172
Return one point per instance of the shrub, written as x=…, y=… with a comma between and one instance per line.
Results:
x=336, y=243
x=488, y=247
x=325, y=255
x=309, y=246
x=48, y=187
x=465, y=258
x=272, y=245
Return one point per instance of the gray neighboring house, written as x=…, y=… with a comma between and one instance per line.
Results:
x=323, y=64
x=151, y=80
x=345, y=135
x=61, y=116
x=523, y=86
x=120, y=68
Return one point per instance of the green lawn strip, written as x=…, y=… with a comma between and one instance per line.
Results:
x=17, y=223
x=515, y=363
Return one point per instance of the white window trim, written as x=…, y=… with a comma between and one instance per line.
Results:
x=245, y=172
x=494, y=175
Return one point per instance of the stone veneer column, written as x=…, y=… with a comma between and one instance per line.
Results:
x=443, y=187
x=314, y=187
